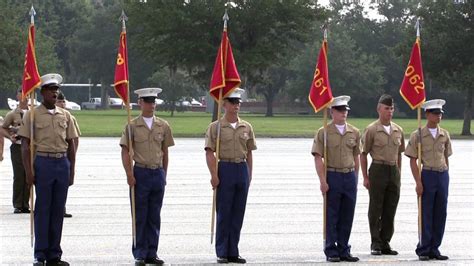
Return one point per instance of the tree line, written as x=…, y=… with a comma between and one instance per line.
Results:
x=173, y=44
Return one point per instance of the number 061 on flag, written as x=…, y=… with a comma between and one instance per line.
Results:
x=320, y=94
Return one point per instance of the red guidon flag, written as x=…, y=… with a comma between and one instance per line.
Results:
x=320, y=94
x=31, y=77
x=225, y=75
x=121, y=70
x=413, y=85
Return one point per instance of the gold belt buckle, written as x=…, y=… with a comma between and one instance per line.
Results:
x=345, y=170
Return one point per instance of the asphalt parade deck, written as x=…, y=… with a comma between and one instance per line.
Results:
x=283, y=222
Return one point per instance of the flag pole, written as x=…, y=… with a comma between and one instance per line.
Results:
x=219, y=107
x=124, y=18
x=325, y=153
x=218, y=141
x=325, y=125
x=130, y=154
x=420, y=225
x=32, y=145
x=420, y=230
x=32, y=152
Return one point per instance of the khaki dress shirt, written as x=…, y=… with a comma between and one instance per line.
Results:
x=341, y=149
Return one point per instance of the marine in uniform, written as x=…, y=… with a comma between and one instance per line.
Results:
x=150, y=138
x=21, y=190
x=54, y=164
x=339, y=183
x=384, y=141
x=433, y=184
x=61, y=102
x=232, y=181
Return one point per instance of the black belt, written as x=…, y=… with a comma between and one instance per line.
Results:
x=232, y=160
x=340, y=170
x=56, y=155
x=384, y=162
x=148, y=166
x=437, y=169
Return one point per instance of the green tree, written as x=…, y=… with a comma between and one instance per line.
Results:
x=15, y=21
x=11, y=53
x=185, y=35
x=351, y=70
x=178, y=35
x=273, y=80
x=380, y=41
x=393, y=43
x=175, y=84
x=448, y=36
x=60, y=20
x=267, y=35
x=93, y=49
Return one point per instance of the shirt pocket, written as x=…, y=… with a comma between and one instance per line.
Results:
x=380, y=140
x=42, y=130
x=397, y=141
x=349, y=146
x=331, y=144
x=140, y=136
x=426, y=148
x=227, y=142
x=441, y=147
x=61, y=127
x=351, y=143
x=396, y=138
x=17, y=122
x=227, y=135
x=158, y=138
x=243, y=138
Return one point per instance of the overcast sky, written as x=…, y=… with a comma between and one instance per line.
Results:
x=372, y=13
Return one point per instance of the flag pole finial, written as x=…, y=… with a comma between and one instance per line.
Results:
x=32, y=14
x=324, y=28
x=123, y=18
x=417, y=27
x=225, y=18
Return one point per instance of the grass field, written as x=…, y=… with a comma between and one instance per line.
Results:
x=110, y=123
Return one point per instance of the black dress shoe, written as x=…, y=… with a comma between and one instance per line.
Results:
x=25, y=210
x=237, y=259
x=439, y=257
x=17, y=210
x=389, y=251
x=423, y=258
x=333, y=259
x=222, y=260
x=154, y=261
x=56, y=262
x=350, y=258
x=376, y=252
x=67, y=215
x=38, y=262
x=139, y=262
